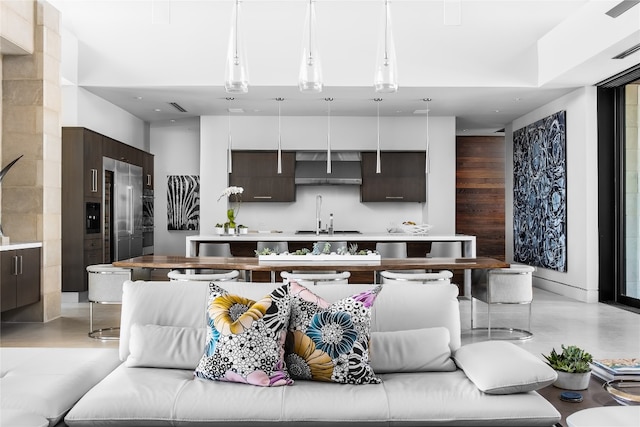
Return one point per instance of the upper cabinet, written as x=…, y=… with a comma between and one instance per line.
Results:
x=257, y=173
x=401, y=178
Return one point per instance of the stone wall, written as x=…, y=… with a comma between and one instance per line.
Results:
x=31, y=193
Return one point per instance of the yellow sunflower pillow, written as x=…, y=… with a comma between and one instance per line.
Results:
x=330, y=342
x=246, y=338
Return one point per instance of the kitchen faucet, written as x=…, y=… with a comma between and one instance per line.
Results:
x=318, y=209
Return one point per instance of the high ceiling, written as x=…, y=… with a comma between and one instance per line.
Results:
x=506, y=58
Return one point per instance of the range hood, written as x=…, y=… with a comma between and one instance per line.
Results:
x=311, y=168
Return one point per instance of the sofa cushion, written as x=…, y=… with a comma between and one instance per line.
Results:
x=156, y=346
x=330, y=342
x=499, y=367
x=415, y=350
x=246, y=338
x=47, y=382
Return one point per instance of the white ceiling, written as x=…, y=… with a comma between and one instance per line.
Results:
x=506, y=58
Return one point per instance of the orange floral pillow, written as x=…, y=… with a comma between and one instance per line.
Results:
x=245, y=343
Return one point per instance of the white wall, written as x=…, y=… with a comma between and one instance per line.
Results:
x=348, y=133
x=581, y=279
x=176, y=147
x=84, y=109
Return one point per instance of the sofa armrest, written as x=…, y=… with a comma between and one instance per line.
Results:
x=499, y=367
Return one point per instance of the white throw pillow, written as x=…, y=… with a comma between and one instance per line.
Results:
x=499, y=367
x=155, y=346
x=417, y=350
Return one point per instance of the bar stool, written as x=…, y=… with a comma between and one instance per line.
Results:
x=443, y=276
x=105, y=287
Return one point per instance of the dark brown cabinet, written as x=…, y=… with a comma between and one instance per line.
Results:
x=257, y=173
x=20, y=277
x=83, y=213
x=401, y=178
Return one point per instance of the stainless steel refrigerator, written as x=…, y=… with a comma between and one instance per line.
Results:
x=126, y=199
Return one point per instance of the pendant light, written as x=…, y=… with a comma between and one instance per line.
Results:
x=310, y=78
x=386, y=75
x=427, y=167
x=378, y=169
x=229, y=140
x=279, y=137
x=236, y=78
x=328, y=134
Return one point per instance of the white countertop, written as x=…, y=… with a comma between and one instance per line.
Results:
x=21, y=245
x=293, y=237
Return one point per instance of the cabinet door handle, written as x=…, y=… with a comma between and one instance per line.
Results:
x=262, y=197
x=149, y=180
x=20, y=264
x=94, y=180
x=395, y=197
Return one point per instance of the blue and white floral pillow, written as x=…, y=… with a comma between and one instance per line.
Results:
x=245, y=343
x=330, y=342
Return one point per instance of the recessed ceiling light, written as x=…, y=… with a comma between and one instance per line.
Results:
x=138, y=98
x=235, y=110
x=496, y=111
x=517, y=99
x=172, y=120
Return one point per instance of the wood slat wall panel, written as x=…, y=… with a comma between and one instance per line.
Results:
x=480, y=200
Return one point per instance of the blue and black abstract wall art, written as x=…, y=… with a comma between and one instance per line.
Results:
x=540, y=193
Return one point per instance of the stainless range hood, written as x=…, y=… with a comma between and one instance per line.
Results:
x=311, y=168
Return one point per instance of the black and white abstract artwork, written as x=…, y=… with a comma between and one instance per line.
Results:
x=540, y=193
x=183, y=202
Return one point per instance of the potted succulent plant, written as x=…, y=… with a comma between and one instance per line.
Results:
x=219, y=228
x=573, y=367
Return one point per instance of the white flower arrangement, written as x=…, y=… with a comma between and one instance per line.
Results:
x=231, y=190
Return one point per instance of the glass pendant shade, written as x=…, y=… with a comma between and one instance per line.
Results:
x=236, y=79
x=386, y=75
x=310, y=78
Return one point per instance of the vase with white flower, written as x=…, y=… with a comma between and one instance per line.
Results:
x=235, y=195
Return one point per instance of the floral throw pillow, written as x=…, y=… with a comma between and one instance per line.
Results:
x=330, y=342
x=245, y=342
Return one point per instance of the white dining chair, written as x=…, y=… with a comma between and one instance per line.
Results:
x=221, y=276
x=316, y=278
x=443, y=276
x=513, y=285
x=105, y=287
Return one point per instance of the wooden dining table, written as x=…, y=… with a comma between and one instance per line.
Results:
x=253, y=264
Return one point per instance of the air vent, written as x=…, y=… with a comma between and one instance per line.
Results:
x=178, y=107
x=622, y=7
x=628, y=52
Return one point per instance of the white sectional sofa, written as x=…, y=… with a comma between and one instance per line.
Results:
x=427, y=377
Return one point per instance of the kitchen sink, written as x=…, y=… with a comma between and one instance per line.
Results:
x=325, y=232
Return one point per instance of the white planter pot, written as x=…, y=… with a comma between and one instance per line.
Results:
x=572, y=381
x=219, y=230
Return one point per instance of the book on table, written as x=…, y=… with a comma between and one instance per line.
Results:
x=616, y=369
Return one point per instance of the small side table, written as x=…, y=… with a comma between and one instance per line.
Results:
x=619, y=416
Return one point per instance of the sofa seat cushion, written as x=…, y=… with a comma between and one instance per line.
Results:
x=19, y=418
x=161, y=397
x=47, y=382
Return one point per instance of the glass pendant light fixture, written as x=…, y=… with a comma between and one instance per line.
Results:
x=310, y=78
x=328, y=134
x=236, y=79
x=427, y=167
x=378, y=169
x=386, y=76
x=279, y=137
x=229, y=140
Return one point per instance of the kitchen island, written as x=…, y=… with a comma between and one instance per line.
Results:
x=418, y=245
